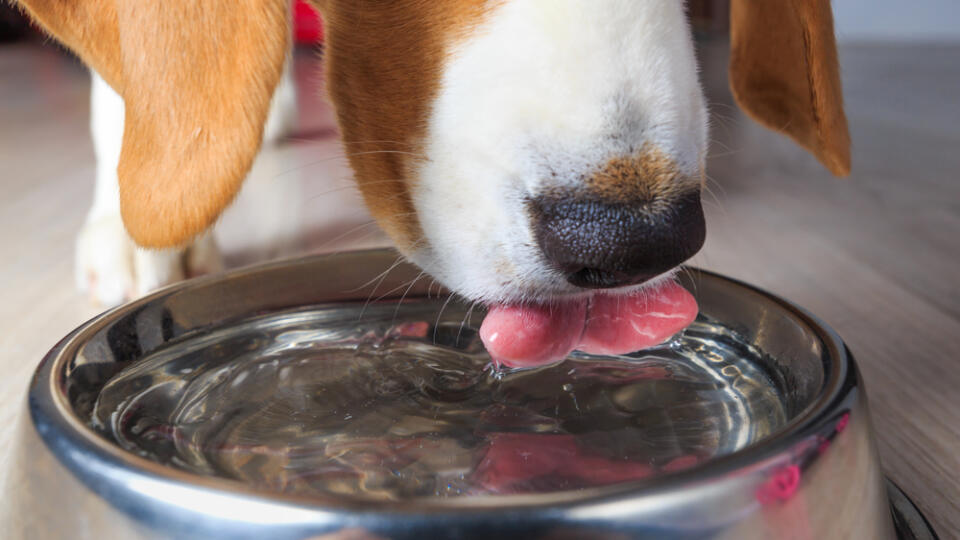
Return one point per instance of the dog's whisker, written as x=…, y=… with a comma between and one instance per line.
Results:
x=393, y=290
x=724, y=153
x=713, y=107
x=717, y=202
x=713, y=181
x=433, y=282
x=436, y=325
x=406, y=292
x=693, y=282
x=725, y=150
x=347, y=233
x=379, y=276
x=725, y=121
x=407, y=284
x=715, y=104
x=383, y=277
x=464, y=321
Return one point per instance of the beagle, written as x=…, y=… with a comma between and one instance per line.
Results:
x=544, y=157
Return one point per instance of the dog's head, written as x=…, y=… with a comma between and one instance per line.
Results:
x=515, y=149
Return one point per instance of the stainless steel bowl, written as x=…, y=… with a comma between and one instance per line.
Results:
x=816, y=477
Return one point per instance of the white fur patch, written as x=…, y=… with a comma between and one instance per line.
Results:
x=541, y=93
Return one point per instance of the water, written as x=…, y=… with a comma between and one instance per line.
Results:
x=393, y=403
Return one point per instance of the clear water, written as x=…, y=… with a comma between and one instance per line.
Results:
x=392, y=402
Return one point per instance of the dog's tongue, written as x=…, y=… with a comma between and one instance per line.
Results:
x=533, y=335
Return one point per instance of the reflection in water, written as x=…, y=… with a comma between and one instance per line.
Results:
x=399, y=404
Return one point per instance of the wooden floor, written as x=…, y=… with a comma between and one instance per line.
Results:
x=877, y=256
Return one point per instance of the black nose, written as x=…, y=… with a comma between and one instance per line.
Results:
x=601, y=245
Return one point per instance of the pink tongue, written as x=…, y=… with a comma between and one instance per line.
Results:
x=531, y=335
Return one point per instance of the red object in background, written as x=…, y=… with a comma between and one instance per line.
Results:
x=307, y=24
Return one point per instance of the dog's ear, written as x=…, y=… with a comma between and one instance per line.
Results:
x=784, y=73
x=197, y=77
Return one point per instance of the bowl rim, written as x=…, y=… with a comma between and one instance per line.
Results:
x=92, y=458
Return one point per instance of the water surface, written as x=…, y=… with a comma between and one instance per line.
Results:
x=392, y=402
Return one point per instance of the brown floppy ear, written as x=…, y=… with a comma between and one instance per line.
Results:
x=784, y=73
x=197, y=77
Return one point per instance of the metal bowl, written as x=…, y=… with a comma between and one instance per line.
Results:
x=818, y=476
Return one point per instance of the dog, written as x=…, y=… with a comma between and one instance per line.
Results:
x=522, y=152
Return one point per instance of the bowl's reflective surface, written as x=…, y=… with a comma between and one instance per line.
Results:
x=390, y=402
x=814, y=474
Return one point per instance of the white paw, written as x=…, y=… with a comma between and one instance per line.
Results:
x=111, y=269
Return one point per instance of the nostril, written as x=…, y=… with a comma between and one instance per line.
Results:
x=596, y=244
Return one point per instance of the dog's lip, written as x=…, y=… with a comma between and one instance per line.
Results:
x=614, y=321
x=565, y=292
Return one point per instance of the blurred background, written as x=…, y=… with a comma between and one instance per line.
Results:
x=876, y=255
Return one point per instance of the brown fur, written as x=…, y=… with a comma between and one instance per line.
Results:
x=384, y=61
x=784, y=72
x=649, y=176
